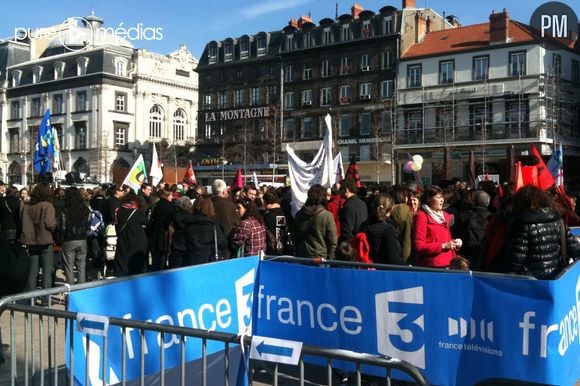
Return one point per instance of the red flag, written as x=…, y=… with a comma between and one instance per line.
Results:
x=189, y=177
x=352, y=171
x=238, y=181
x=545, y=178
x=519, y=177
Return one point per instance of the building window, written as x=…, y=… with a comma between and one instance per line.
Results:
x=120, y=67
x=386, y=123
x=245, y=48
x=81, y=101
x=414, y=73
x=308, y=41
x=517, y=63
x=479, y=117
x=344, y=94
x=288, y=73
x=261, y=45
x=345, y=68
x=388, y=59
x=575, y=71
x=446, y=71
x=16, y=75
x=58, y=70
x=228, y=52
x=15, y=110
x=238, y=98
x=366, y=31
x=35, y=109
x=255, y=95
x=388, y=25
x=32, y=138
x=306, y=128
x=326, y=36
x=59, y=141
x=365, y=64
x=207, y=102
x=346, y=33
x=307, y=73
x=344, y=125
x=179, y=121
x=480, y=67
x=272, y=96
x=289, y=101
x=386, y=89
x=557, y=64
x=80, y=135
x=325, y=68
x=36, y=74
x=120, y=131
x=155, y=121
x=289, y=42
x=365, y=91
x=120, y=101
x=82, y=65
x=364, y=153
x=212, y=54
x=414, y=126
x=289, y=129
x=365, y=123
x=239, y=74
x=222, y=100
x=517, y=115
x=14, y=140
x=307, y=97
x=57, y=104
x=325, y=96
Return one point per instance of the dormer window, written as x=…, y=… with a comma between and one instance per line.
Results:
x=16, y=75
x=228, y=52
x=388, y=25
x=36, y=74
x=307, y=39
x=245, y=48
x=261, y=45
x=366, y=29
x=212, y=54
x=82, y=64
x=346, y=33
x=289, y=42
x=121, y=66
x=326, y=36
x=58, y=70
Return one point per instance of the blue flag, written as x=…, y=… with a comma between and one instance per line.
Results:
x=44, y=150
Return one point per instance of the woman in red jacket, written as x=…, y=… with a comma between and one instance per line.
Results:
x=434, y=246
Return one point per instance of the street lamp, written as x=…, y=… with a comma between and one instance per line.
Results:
x=224, y=163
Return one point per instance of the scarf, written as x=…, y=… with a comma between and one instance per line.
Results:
x=437, y=216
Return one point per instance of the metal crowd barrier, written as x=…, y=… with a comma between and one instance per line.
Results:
x=37, y=336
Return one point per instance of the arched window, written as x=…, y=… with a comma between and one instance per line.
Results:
x=179, y=121
x=81, y=166
x=14, y=173
x=155, y=121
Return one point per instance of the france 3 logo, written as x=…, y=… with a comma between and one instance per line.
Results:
x=244, y=298
x=401, y=325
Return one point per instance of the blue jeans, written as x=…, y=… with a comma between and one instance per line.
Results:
x=74, y=252
x=38, y=253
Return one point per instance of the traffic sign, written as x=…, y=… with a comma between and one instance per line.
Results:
x=275, y=350
x=92, y=324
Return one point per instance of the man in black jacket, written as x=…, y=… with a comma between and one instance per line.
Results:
x=354, y=211
x=471, y=226
x=226, y=213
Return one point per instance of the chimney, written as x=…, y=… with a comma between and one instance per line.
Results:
x=499, y=27
x=293, y=23
x=420, y=27
x=355, y=10
x=428, y=25
x=304, y=19
x=409, y=4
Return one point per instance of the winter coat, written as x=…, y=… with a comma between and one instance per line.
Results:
x=385, y=247
x=14, y=267
x=314, y=233
x=403, y=220
x=38, y=224
x=534, y=244
x=159, y=221
x=72, y=230
x=131, y=253
x=353, y=214
x=200, y=240
x=9, y=217
x=470, y=226
x=428, y=238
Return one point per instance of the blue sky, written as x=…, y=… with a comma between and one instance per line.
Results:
x=195, y=23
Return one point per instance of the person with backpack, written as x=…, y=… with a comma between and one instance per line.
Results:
x=73, y=229
x=383, y=243
x=277, y=237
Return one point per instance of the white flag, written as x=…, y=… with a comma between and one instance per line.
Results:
x=338, y=168
x=320, y=171
x=137, y=175
x=155, y=172
x=255, y=179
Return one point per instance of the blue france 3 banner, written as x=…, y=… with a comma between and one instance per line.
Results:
x=215, y=296
x=459, y=329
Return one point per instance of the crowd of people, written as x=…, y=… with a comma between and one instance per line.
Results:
x=449, y=226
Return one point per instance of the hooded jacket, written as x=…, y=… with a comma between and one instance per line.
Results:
x=314, y=233
x=38, y=224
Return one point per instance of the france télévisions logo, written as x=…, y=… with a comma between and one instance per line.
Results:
x=401, y=325
x=555, y=19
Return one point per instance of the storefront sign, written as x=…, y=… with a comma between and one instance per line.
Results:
x=229, y=115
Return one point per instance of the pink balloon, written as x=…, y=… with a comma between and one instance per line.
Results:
x=408, y=168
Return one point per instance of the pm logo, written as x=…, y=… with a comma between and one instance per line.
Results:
x=555, y=19
x=401, y=325
x=244, y=298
